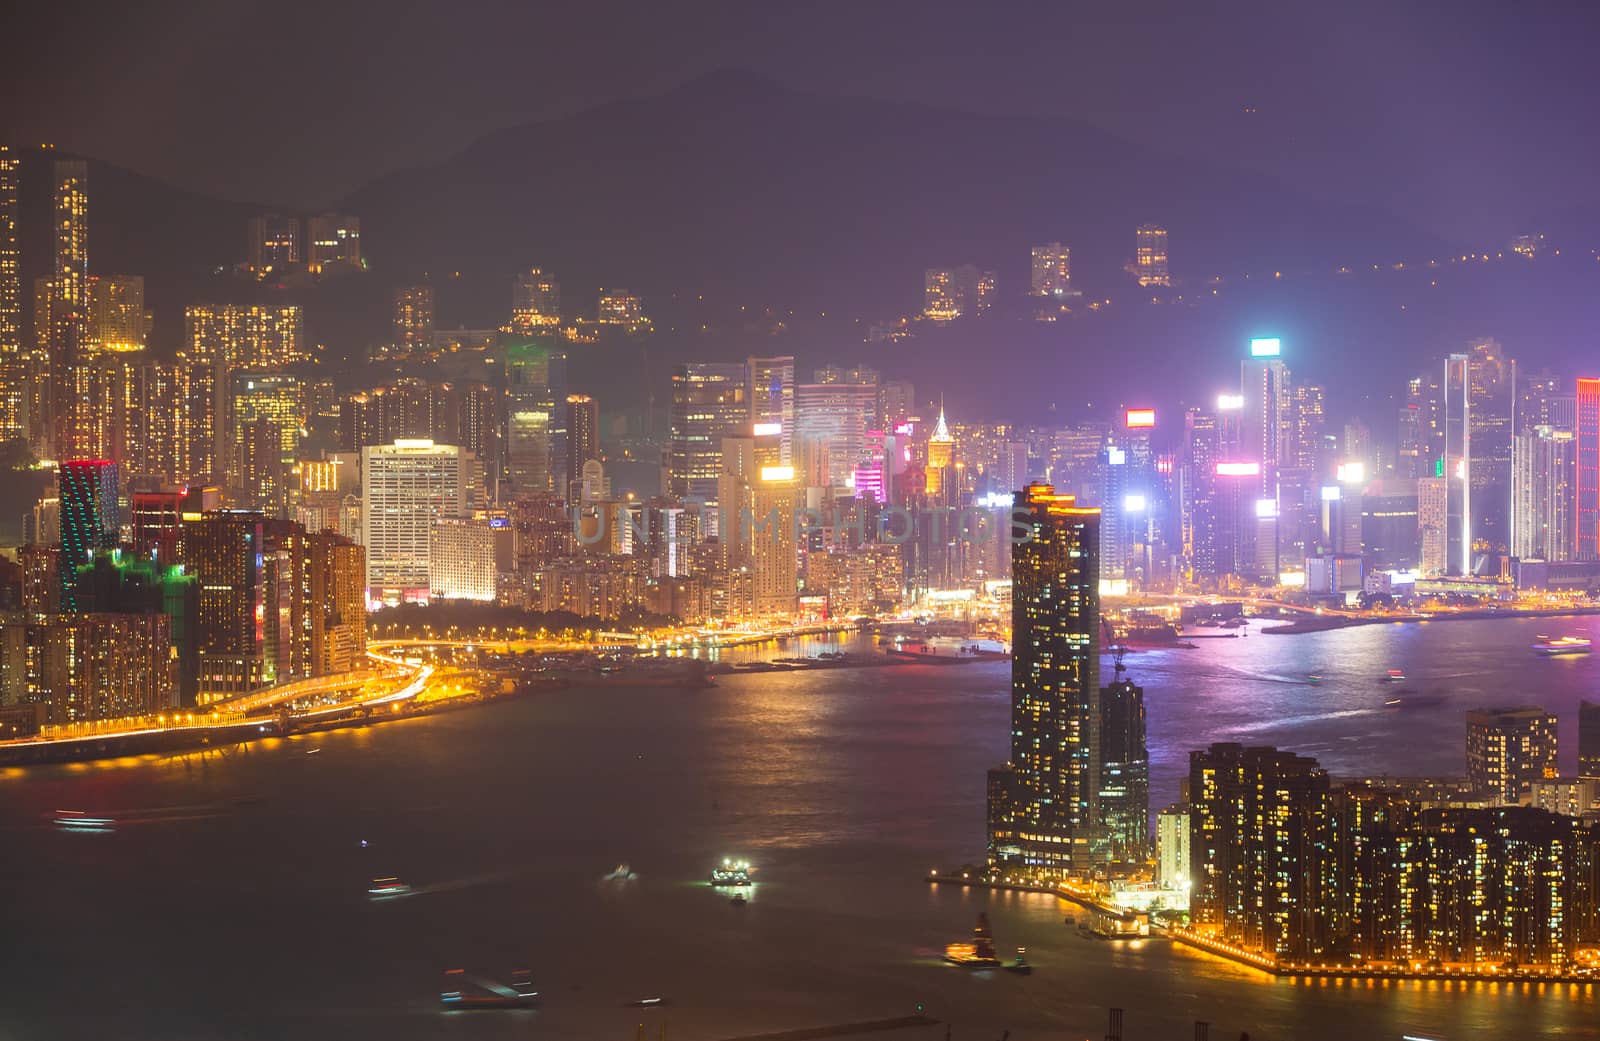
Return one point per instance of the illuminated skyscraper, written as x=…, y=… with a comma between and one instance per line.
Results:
x=1508, y=749
x=1260, y=844
x=1124, y=769
x=461, y=559
x=941, y=457
x=1542, y=494
x=1493, y=385
x=1457, y=468
x=1264, y=425
x=772, y=400
x=263, y=337
x=273, y=242
x=536, y=421
x=831, y=423
x=13, y=371
x=583, y=434
x=224, y=550
x=1044, y=805
x=1433, y=524
x=621, y=308
x=413, y=319
x=269, y=408
x=117, y=319
x=405, y=487
x=1197, y=494
x=1150, y=256
x=335, y=243
x=89, y=518
x=1587, y=481
x=535, y=301
x=68, y=305
x=710, y=401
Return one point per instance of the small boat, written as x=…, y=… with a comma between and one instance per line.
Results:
x=738, y=900
x=1561, y=645
x=521, y=993
x=647, y=1003
x=1395, y=676
x=1392, y=703
x=1313, y=678
x=384, y=888
x=1020, y=966
x=623, y=873
x=313, y=751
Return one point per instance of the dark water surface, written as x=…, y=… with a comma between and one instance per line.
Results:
x=231, y=899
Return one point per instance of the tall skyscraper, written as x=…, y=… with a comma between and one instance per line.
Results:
x=117, y=319
x=1197, y=494
x=772, y=400
x=1124, y=769
x=536, y=422
x=710, y=401
x=1044, y=805
x=1457, y=463
x=89, y=519
x=1542, y=494
x=413, y=319
x=1150, y=256
x=1261, y=849
x=68, y=297
x=1587, y=470
x=583, y=435
x=1493, y=379
x=405, y=487
x=1433, y=522
x=13, y=371
x=225, y=551
x=1508, y=749
x=1264, y=422
x=941, y=458
x=831, y=424
x=1588, y=738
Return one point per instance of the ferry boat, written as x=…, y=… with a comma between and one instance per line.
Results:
x=731, y=873
x=77, y=820
x=1395, y=676
x=1561, y=645
x=520, y=994
x=979, y=954
x=383, y=888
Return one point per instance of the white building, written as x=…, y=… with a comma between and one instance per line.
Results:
x=406, y=487
x=1172, y=847
x=461, y=560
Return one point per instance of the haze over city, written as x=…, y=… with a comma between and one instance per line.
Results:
x=763, y=524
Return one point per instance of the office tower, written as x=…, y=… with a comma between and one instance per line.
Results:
x=1433, y=522
x=956, y=292
x=276, y=399
x=1493, y=380
x=536, y=381
x=273, y=242
x=1588, y=738
x=1044, y=805
x=896, y=403
x=1260, y=844
x=831, y=424
x=710, y=401
x=621, y=308
x=941, y=458
x=1264, y=421
x=405, y=487
x=413, y=319
x=1457, y=463
x=535, y=301
x=13, y=369
x=334, y=243
x=583, y=433
x=68, y=305
x=1508, y=749
x=461, y=561
x=224, y=550
x=772, y=400
x=89, y=518
x=1542, y=493
x=1197, y=494
x=1389, y=524
x=1150, y=256
x=1124, y=769
x=1586, y=519
x=1172, y=847
x=1307, y=423
x=1408, y=442
x=1052, y=271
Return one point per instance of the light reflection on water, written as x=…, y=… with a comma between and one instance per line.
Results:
x=844, y=786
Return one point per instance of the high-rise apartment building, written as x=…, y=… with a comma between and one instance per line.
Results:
x=1052, y=271
x=85, y=667
x=1124, y=769
x=619, y=307
x=1433, y=523
x=1508, y=749
x=956, y=292
x=405, y=488
x=413, y=319
x=272, y=242
x=1173, y=859
x=461, y=560
x=68, y=307
x=13, y=368
x=224, y=550
x=334, y=243
x=583, y=435
x=1588, y=738
x=118, y=322
x=1150, y=256
x=1044, y=805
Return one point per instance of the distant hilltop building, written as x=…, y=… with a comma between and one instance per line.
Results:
x=535, y=301
x=618, y=307
x=1150, y=256
x=956, y=292
x=1052, y=270
x=335, y=243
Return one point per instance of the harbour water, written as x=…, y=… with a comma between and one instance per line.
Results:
x=230, y=899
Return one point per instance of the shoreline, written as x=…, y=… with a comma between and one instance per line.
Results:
x=1328, y=623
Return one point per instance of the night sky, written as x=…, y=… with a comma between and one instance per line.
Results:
x=1468, y=122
